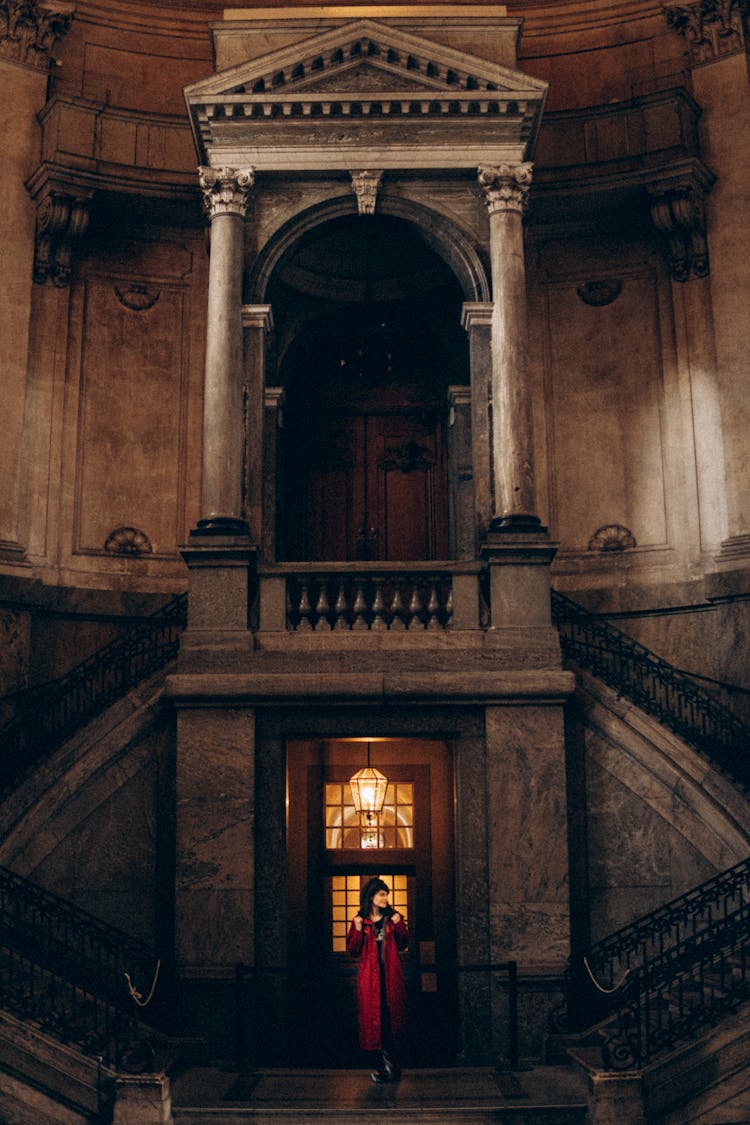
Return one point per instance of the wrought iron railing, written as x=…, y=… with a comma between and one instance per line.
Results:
x=669, y=975
x=79, y=979
x=654, y=685
x=37, y=719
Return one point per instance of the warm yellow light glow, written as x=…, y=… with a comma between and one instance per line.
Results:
x=368, y=791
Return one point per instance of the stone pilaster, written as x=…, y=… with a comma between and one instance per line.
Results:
x=461, y=475
x=715, y=37
x=477, y=322
x=257, y=325
x=506, y=192
x=272, y=425
x=28, y=33
x=225, y=198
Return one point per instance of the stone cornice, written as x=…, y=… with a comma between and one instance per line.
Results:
x=712, y=29
x=29, y=30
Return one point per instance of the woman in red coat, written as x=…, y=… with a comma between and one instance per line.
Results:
x=375, y=936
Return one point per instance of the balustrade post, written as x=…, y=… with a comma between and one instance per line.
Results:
x=272, y=603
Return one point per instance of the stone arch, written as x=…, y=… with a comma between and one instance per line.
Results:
x=443, y=235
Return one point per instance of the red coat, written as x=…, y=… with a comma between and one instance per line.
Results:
x=362, y=944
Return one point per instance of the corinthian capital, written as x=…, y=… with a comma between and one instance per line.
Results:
x=711, y=28
x=505, y=186
x=29, y=29
x=225, y=190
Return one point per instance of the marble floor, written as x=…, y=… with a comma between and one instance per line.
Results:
x=553, y=1095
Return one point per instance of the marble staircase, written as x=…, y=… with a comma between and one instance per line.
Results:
x=554, y=1095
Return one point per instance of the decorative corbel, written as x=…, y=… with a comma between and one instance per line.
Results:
x=61, y=220
x=712, y=29
x=366, y=185
x=678, y=212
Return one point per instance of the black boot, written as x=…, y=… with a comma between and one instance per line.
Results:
x=391, y=1067
x=380, y=1072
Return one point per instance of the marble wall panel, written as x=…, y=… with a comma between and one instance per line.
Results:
x=604, y=387
x=215, y=812
x=527, y=835
x=133, y=408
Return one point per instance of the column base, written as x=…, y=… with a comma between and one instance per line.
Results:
x=517, y=522
x=221, y=525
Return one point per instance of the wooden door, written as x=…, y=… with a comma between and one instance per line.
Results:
x=369, y=486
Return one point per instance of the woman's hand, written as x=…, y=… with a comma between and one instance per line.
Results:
x=357, y=921
x=395, y=918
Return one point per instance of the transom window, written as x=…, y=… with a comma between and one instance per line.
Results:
x=393, y=827
x=345, y=891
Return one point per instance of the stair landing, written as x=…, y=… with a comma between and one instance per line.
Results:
x=460, y=1095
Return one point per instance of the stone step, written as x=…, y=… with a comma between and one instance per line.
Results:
x=459, y=1096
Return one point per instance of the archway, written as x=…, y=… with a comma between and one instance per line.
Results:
x=369, y=341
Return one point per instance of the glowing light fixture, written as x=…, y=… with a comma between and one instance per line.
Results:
x=368, y=788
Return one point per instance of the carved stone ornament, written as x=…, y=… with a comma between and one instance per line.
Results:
x=712, y=29
x=225, y=190
x=366, y=186
x=600, y=292
x=128, y=541
x=679, y=214
x=138, y=297
x=612, y=537
x=506, y=187
x=61, y=220
x=407, y=458
x=29, y=30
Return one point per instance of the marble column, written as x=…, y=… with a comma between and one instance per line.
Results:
x=257, y=324
x=506, y=191
x=225, y=196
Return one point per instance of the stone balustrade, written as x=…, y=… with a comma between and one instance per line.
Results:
x=369, y=597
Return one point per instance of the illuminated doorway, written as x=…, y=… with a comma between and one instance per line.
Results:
x=331, y=853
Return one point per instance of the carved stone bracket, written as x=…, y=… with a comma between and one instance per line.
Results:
x=61, y=220
x=29, y=30
x=366, y=186
x=225, y=190
x=678, y=212
x=712, y=29
x=506, y=187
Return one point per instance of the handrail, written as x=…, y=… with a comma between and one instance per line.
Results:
x=669, y=974
x=70, y=972
x=39, y=718
x=654, y=685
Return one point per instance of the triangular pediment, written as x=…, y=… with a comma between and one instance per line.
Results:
x=372, y=53
x=407, y=101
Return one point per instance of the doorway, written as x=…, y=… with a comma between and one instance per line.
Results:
x=330, y=853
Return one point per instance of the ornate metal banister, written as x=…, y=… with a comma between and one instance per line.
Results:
x=35, y=720
x=669, y=974
x=654, y=685
x=77, y=977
